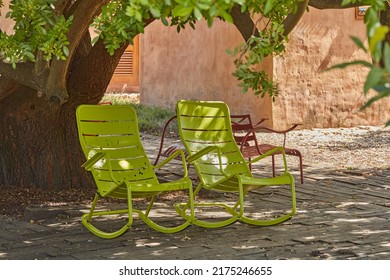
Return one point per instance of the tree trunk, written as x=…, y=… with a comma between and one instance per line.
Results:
x=37, y=150
x=39, y=142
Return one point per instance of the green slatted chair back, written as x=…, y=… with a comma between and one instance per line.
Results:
x=210, y=125
x=114, y=131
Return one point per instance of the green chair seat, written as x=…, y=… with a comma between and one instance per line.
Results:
x=110, y=140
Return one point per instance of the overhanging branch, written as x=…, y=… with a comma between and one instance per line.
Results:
x=83, y=12
x=24, y=74
x=292, y=19
x=330, y=4
x=6, y=87
x=244, y=23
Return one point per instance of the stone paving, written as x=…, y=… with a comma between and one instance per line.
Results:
x=340, y=215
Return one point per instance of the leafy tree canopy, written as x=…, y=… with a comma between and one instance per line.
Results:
x=41, y=31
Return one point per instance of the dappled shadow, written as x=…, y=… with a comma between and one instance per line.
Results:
x=370, y=139
x=339, y=216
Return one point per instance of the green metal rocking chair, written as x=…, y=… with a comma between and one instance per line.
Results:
x=115, y=156
x=206, y=132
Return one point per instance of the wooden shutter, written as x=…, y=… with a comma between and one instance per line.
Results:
x=126, y=63
x=126, y=74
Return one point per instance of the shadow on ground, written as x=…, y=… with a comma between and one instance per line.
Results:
x=341, y=214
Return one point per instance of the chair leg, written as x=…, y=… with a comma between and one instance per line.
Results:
x=145, y=217
x=86, y=219
x=278, y=220
x=301, y=167
x=273, y=165
x=182, y=208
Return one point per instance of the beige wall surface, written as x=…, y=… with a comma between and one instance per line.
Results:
x=193, y=64
x=6, y=24
x=330, y=99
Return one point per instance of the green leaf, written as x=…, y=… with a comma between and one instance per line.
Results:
x=210, y=21
x=66, y=50
x=165, y=21
x=94, y=40
x=347, y=64
x=345, y=2
x=203, y=6
x=376, y=98
x=197, y=14
x=30, y=56
x=138, y=16
x=181, y=11
x=155, y=12
x=373, y=78
x=226, y=16
x=378, y=36
x=386, y=57
x=359, y=43
x=268, y=6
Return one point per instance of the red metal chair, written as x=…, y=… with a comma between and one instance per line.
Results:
x=248, y=142
x=170, y=149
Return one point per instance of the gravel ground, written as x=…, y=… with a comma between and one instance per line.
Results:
x=363, y=147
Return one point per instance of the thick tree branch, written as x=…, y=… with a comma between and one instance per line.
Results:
x=62, y=6
x=7, y=87
x=83, y=12
x=23, y=74
x=246, y=26
x=86, y=58
x=330, y=4
x=292, y=20
x=244, y=23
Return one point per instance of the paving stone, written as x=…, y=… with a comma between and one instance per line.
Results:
x=339, y=216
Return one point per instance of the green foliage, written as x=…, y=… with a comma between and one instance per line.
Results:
x=121, y=20
x=378, y=78
x=37, y=28
x=270, y=41
x=151, y=119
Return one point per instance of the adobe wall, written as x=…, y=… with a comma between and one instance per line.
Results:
x=193, y=64
x=6, y=23
x=331, y=99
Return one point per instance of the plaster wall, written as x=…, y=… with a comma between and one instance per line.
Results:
x=193, y=64
x=6, y=24
x=324, y=99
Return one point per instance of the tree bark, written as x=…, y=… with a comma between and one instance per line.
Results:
x=40, y=146
x=39, y=143
x=34, y=151
x=331, y=4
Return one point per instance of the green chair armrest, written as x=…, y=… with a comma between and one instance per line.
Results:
x=206, y=151
x=89, y=163
x=269, y=153
x=201, y=153
x=172, y=156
